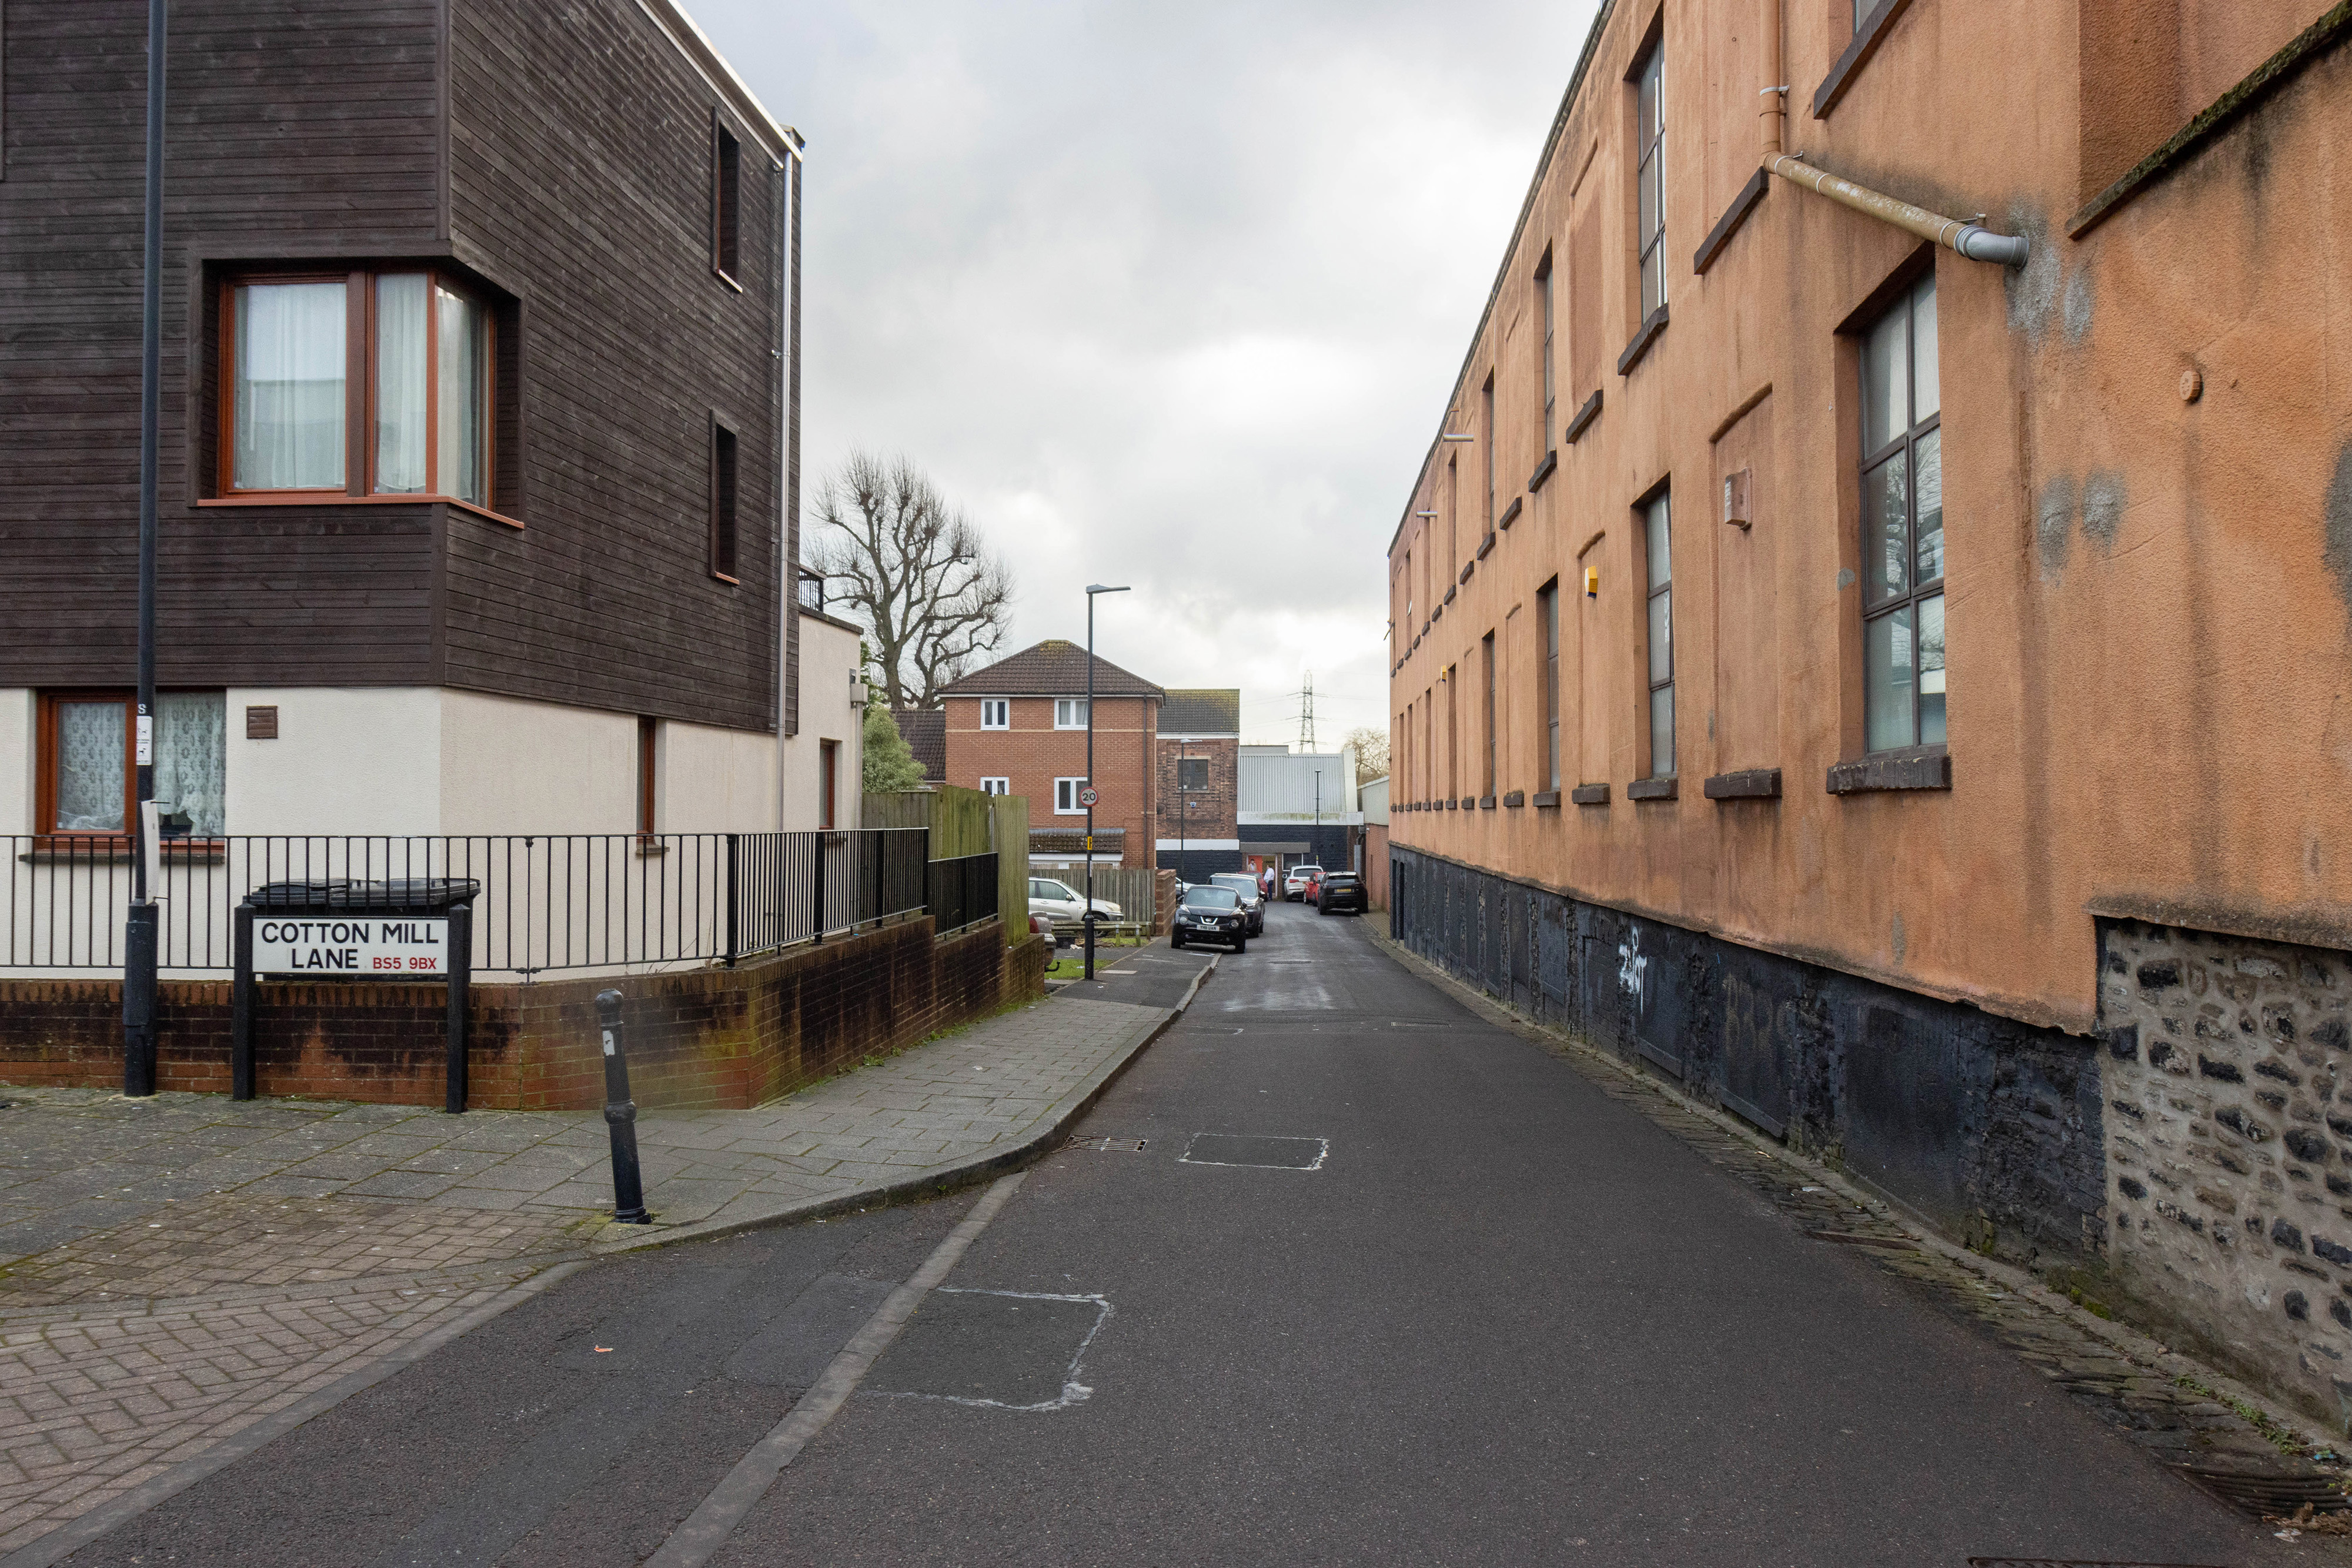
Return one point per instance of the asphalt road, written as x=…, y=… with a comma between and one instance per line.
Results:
x=1380, y=1284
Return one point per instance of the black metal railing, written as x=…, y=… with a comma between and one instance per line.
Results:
x=963, y=892
x=546, y=901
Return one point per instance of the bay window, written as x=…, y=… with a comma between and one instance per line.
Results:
x=358, y=385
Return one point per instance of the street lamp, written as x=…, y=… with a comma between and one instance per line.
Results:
x=142, y=928
x=1183, y=815
x=1092, y=589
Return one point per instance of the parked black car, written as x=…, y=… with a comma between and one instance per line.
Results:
x=1245, y=888
x=1340, y=892
x=1207, y=913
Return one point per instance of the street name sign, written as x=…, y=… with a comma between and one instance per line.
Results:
x=357, y=946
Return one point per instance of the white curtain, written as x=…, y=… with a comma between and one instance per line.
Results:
x=191, y=755
x=464, y=471
x=90, y=767
x=400, y=412
x=289, y=386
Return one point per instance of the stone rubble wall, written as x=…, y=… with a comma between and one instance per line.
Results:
x=2229, y=1149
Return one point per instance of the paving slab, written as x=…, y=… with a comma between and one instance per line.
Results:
x=184, y=1275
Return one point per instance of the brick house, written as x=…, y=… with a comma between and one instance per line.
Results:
x=1019, y=727
x=1200, y=756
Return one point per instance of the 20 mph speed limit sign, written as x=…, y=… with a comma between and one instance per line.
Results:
x=1087, y=797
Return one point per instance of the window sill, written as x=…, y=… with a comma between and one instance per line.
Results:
x=1543, y=472
x=1748, y=784
x=729, y=581
x=1652, y=329
x=1546, y=798
x=1450, y=592
x=1750, y=197
x=650, y=848
x=1486, y=803
x=343, y=498
x=1467, y=568
x=1913, y=768
x=1590, y=794
x=1652, y=790
x=1583, y=419
x=1866, y=39
x=1510, y=515
x=1516, y=798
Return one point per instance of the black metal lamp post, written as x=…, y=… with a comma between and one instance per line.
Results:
x=1183, y=816
x=141, y=932
x=1089, y=915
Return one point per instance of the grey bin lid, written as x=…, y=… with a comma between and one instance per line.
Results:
x=399, y=895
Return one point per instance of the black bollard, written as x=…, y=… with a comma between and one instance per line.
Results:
x=621, y=1118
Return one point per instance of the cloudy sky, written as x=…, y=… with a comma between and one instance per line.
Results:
x=1166, y=296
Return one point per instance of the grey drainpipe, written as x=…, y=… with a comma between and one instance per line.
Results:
x=1971, y=240
x=788, y=371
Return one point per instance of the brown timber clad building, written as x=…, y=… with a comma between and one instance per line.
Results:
x=1901, y=695
x=479, y=369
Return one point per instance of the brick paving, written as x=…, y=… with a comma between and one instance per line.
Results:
x=176, y=1269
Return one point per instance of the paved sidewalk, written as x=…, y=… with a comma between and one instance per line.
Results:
x=176, y=1270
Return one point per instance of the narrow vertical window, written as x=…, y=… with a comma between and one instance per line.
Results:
x=1650, y=134
x=403, y=401
x=1487, y=439
x=726, y=192
x=1452, y=523
x=828, y=782
x=1861, y=12
x=648, y=735
x=288, y=355
x=1903, y=527
x=1656, y=532
x=1550, y=389
x=462, y=435
x=722, y=502
x=1486, y=662
x=1547, y=615
x=1453, y=734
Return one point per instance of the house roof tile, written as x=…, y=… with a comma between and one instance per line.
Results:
x=1055, y=668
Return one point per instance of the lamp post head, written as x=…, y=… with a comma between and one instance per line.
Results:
x=1094, y=587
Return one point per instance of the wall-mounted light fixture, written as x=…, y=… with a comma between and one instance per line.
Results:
x=1591, y=582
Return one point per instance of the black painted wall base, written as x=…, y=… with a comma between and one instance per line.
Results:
x=1989, y=1128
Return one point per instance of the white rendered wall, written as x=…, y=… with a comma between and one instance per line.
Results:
x=512, y=766
x=18, y=708
x=354, y=761
x=829, y=656
x=711, y=780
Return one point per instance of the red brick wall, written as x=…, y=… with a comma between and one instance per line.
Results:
x=711, y=1038
x=1033, y=754
x=1211, y=813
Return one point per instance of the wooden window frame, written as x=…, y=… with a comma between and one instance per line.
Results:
x=45, y=762
x=726, y=202
x=360, y=374
x=726, y=537
x=648, y=772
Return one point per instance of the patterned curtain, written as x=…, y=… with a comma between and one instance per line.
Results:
x=191, y=754
x=90, y=768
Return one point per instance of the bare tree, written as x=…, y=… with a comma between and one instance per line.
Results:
x=1371, y=753
x=934, y=597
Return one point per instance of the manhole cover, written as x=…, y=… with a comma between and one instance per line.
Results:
x=999, y=1348
x=1258, y=1153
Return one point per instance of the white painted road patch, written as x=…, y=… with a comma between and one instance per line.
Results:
x=1253, y=1152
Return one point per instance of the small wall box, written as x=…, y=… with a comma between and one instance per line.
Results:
x=1736, y=510
x=1591, y=582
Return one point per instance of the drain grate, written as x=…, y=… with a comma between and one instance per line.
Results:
x=1109, y=1146
x=2270, y=1494
x=1858, y=1239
